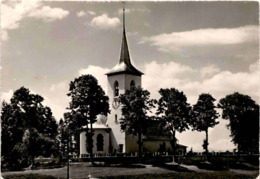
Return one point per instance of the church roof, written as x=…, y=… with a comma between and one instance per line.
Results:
x=124, y=66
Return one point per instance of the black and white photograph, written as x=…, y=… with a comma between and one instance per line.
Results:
x=129, y=89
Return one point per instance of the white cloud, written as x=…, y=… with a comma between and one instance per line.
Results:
x=92, y=13
x=222, y=36
x=6, y=96
x=98, y=73
x=104, y=22
x=219, y=84
x=13, y=12
x=222, y=145
x=180, y=76
x=64, y=85
x=49, y=14
x=254, y=67
x=208, y=71
x=81, y=14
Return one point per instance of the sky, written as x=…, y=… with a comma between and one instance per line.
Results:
x=195, y=47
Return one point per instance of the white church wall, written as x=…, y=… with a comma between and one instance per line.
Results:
x=124, y=81
x=83, y=146
x=115, y=114
x=129, y=78
x=105, y=134
x=83, y=149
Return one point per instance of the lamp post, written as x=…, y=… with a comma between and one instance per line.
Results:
x=68, y=150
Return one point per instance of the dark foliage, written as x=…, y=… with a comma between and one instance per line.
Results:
x=135, y=108
x=174, y=112
x=243, y=114
x=87, y=101
x=28, y=130
x=204, y=116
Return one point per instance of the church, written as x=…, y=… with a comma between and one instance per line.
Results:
x=108, y=138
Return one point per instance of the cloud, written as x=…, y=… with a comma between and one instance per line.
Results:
x=56, y=98
x=98, y=73
x=201, y=37
x=105, y=22
x=81, y=14
x=6, y=96
x=49, y=14
x=208, y=71
x=14, y=12
x=61, y=86
x=92, y=13
x=218, y=84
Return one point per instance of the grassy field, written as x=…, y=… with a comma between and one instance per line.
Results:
x=83, y=170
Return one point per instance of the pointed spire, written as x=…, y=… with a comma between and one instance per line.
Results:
x=124, y=55
x=124, y=66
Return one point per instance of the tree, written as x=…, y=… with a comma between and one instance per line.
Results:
x=243, y=114
x=204, y=116
x=62, y=137
x=174, y=111
x=135, y=107
x=24, y=121
x=87, y=101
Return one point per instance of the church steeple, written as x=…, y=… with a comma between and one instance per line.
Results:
x=124, y=66
x=124, y=55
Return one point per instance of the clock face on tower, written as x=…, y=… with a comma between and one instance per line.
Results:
x=115, y=104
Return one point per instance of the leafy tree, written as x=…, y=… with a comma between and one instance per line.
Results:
x=204, y=116
x=62, y=137
x=135, y=107
x=24, y=121
x=243, y=114
x=87, y=101
x=174, y=111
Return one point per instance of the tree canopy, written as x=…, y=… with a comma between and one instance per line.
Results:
x=136, y=104
x=243, y=114
x=204, y=116
x=88, y=100
x=28, y=129
x=174, y=111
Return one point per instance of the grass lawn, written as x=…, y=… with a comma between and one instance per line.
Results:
x=82, y=170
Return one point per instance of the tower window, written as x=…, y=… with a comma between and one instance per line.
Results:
x=116, y=89
x=132, y=84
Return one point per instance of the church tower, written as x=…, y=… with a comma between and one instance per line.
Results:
x=121, y=78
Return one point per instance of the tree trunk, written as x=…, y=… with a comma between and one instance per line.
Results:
x=238, y=150
x=206, y=145
x=91, y=144
x=68, y=157
x=140, y=146
x=174, y=145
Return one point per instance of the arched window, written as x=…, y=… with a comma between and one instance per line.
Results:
x=116, y=88
x=100, y=142
x=132, y=84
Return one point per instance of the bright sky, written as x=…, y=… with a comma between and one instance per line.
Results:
x=195, y=47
